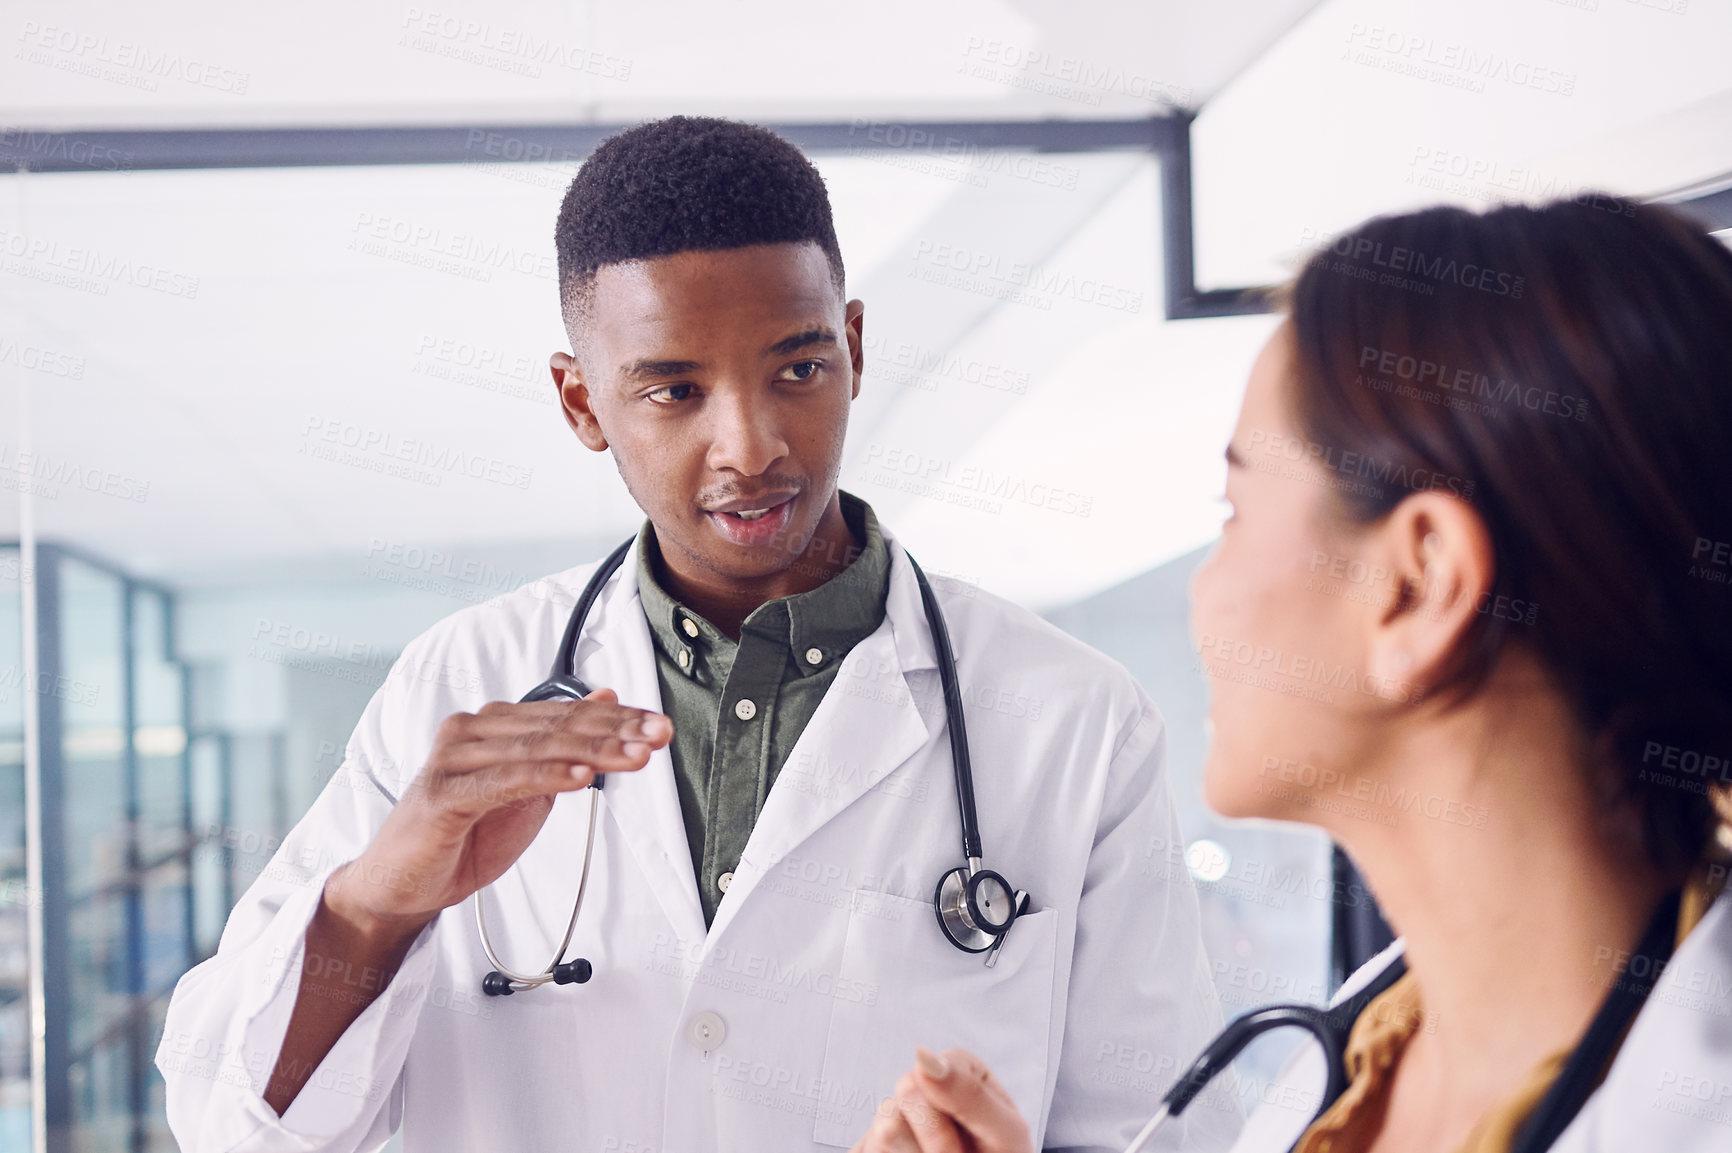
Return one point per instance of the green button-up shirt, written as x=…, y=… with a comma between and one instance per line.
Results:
x=738, y=707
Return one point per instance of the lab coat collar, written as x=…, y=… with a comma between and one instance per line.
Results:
x=616, y=652
x=869, y=706
x=866, y=727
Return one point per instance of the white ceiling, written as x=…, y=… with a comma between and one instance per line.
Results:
x=414, y=304
x=411, y=309
x=1371, y=106
x=338, y=61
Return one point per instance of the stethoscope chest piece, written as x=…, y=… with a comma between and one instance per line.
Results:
x=976, y=908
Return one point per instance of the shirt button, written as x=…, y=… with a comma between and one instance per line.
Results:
x=723, y=881
x=685, y=658
x=814, y=656
x=745, y=709
x=706, y=1031
x=691, y=628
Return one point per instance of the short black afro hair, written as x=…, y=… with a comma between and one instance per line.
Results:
x=685, y=184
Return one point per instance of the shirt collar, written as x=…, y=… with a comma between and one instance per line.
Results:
x=826, y=621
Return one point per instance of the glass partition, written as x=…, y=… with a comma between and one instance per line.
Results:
x=233, y=557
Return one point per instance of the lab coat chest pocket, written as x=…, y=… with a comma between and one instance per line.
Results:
x=902, y=984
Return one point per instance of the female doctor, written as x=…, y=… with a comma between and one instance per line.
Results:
x=1499, y=495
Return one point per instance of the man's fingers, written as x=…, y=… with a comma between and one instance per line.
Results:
x=934, y=1131
x=604, y=753
x=478, y=792
x=590, y=715
x=890, y=1132
x=960, y=1085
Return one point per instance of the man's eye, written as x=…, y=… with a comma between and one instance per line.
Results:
x=802, y=370
x=668, y=394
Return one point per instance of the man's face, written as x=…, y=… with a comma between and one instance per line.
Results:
x=721, y=381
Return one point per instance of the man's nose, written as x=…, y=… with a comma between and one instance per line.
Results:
x=744, y=433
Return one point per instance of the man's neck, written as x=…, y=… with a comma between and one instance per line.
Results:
x=726, y=601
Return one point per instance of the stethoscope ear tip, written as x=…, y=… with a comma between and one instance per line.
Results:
x=572, y=972
x=497, y=984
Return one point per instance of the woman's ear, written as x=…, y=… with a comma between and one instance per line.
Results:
x=574, y=400
x=1439, y=557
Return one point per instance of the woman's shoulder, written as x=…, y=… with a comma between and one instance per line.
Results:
x=1670, y=1086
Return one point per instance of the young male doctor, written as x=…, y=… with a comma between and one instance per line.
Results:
x=779, y=798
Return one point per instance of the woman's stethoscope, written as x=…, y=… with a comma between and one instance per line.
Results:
x=1331, y=1027
x=976, y=906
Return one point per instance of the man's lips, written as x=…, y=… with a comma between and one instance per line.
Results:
x=768, y=502
x=736, y=521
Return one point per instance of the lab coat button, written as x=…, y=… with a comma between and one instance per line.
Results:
x=723, y=881
x=685, y=658
x=745, y=709
x=690, y=627
x=814, y=656
x=706, y=1031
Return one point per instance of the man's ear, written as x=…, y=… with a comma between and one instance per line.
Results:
x=856, y=326
x=1439, y=556
x=574, y=401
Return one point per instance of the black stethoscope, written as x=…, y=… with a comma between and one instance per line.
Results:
x=976, y=906
x=1331, y=1027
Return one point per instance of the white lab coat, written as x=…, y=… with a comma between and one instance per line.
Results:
x=825, y=965
x=1669, y=1087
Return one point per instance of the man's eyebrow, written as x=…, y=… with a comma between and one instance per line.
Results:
x=657, y=369
x=801, y=340
x=1234, y=459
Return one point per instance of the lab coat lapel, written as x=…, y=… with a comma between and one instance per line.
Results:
x=866, y=727
x=616, y=652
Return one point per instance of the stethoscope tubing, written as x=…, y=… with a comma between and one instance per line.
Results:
x=564, y=683
x=524, y=980
x=1332, y=1027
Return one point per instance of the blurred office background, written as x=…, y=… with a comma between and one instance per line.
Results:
x=220, y=339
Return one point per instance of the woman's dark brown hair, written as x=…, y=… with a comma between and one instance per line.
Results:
x=1570, y=365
